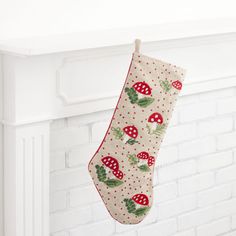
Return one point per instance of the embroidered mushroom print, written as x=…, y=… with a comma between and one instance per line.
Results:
x=151, y=160
x=127, y=135
x=113, y=165
x=167, y=86
x=177, y=85
x=142, y=88
x=137, y=94
x=118, y=173
x=138, y=204
x=142, y=160
x=155, y=124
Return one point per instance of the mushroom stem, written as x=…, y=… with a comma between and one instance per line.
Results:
x=126, y=138
x=140, y=95
x=154, y=125
x=142, y=162
x=138, y=206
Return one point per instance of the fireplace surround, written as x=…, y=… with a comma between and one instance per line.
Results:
x=49, y=78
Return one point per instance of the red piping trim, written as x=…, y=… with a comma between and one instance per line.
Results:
x=106, y=135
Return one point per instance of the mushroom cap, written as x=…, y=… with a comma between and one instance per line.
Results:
x=177, y=84
x=151, y=160
x=156, y=117
x=131, y=131
x=143, y=88
x=141, y=199
x=143, y=155
x=118, y=173
x=111, y=163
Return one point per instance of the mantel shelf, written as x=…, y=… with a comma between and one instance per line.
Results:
x=116, y=37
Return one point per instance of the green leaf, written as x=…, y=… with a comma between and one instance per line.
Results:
x=133, y=159
x=165, y=85
x=131, y=141
x=144, y=168
x=117, y=132
x=141, y=211
x=149, y=129
x=133, y=96
x=144, y=102
x=101, y=173
x=130, y=205
x=113, y=183
x=159, y=129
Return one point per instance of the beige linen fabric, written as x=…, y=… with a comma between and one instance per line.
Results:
x=121, y=176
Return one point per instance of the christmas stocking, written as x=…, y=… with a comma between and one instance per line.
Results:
x=122, y=167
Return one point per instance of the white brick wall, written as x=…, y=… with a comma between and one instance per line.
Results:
x=176, y=206
x=196, y=183
x=213, y=195
x=103, y=228
x=195, y=179
x=215, y=228
x=175, y=171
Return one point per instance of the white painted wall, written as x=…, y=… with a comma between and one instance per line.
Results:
x=32, y=17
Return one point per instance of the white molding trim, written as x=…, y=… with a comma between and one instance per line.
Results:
x=26, y=178
x=116, y=37
x=204, y=84
x=192, y=88
x=188, y=89
x=152, y=46
x=209, y=85
x=65, y=98
x=59, y=103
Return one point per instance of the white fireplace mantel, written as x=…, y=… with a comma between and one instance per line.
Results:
x=61, y=76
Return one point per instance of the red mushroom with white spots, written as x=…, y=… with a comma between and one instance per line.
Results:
x=156, y=119
x=146, y=161
x=138, y=204
x=141, y=199
x=131, y=133
x=142, y=164
x=143, y=155
x=142, y=88
x=113, y=164
x=118, y=173
x=151, y=160
x=177, y=84
x=140, y=94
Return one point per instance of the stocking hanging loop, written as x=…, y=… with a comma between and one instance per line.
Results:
x=137, y=45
